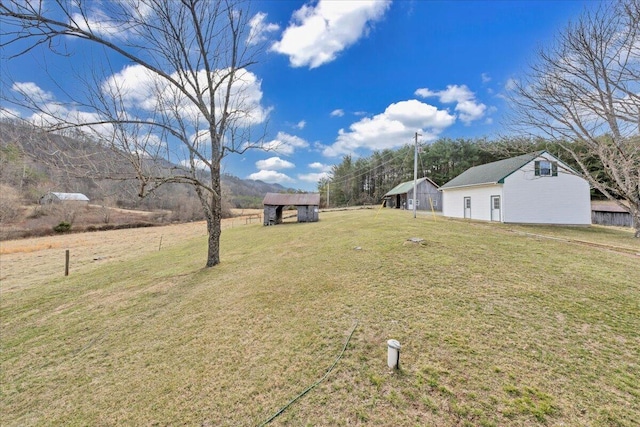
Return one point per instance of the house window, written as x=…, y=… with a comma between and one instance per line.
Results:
x=496, y=202
x=546, y=168
x=467, y=202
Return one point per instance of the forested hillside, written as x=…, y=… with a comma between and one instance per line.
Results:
x=33, y=163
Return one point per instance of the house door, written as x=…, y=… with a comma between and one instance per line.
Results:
x=467, y=207
x=410, y=205
x=495, y=208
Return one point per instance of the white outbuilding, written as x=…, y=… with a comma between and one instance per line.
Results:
x=55, y=197
x=534, y=188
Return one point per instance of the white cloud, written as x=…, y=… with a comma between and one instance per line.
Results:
x=9, y=113
x=301, y=124
x=313, y=177
x=319, y=32
x=260, y=29
x=53, y=113
x=466, y=105
x=99, y=23
x=320, y=166
x=33, y=92
x=486, y=78
x=337, y=113
x=274, y=164
x=285, y=144
x=137, y=86
x=391, y=129
x=271, y=177
x=140, y=89
x=511, y=84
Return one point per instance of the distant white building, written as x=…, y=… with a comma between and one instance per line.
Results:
x=534, y=188
x=53, y=197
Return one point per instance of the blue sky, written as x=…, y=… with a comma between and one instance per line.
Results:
x=352, y=77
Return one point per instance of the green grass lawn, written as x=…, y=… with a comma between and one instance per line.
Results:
x=498, y=328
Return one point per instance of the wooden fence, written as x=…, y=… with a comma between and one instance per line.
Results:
x=242, y=220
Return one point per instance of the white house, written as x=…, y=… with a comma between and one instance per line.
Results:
x=534, y=188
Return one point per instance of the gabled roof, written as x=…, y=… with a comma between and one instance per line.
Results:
x=491, y=173
x=300, y=199
x=405, y=187
x=77, y=197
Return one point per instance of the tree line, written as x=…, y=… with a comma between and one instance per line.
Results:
x=365, y=180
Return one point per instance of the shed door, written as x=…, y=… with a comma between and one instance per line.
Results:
x=495, y=208
x=467, y=207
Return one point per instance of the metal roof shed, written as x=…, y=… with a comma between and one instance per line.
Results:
x=307, y=205
x=427, y=194
x=55, y=197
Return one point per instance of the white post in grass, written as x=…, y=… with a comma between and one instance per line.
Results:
x=393, y=354
x=415, y=175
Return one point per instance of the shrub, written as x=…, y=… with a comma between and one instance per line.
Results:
x=63, y=227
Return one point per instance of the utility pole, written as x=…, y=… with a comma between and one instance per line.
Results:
x=415, y=175
x=328, y=183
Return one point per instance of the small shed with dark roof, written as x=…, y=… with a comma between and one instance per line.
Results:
x=307, y=205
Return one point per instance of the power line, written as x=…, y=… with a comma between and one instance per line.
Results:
x=357, y=173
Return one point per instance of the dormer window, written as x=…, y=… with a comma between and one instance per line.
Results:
x=546, y=168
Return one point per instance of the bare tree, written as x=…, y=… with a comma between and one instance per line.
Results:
x=197, y=104
x=583, y=92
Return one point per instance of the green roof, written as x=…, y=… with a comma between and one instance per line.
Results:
x=405, y=187
x=491, y=173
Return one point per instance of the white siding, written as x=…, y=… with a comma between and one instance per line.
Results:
x=526, y=198
x=453, y=201
x=562, y=199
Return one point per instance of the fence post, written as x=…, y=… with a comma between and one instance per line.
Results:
x=66, y=262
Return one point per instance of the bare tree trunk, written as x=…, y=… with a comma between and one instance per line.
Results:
x=214, y=222
x=213, y=242
x=635, y=221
